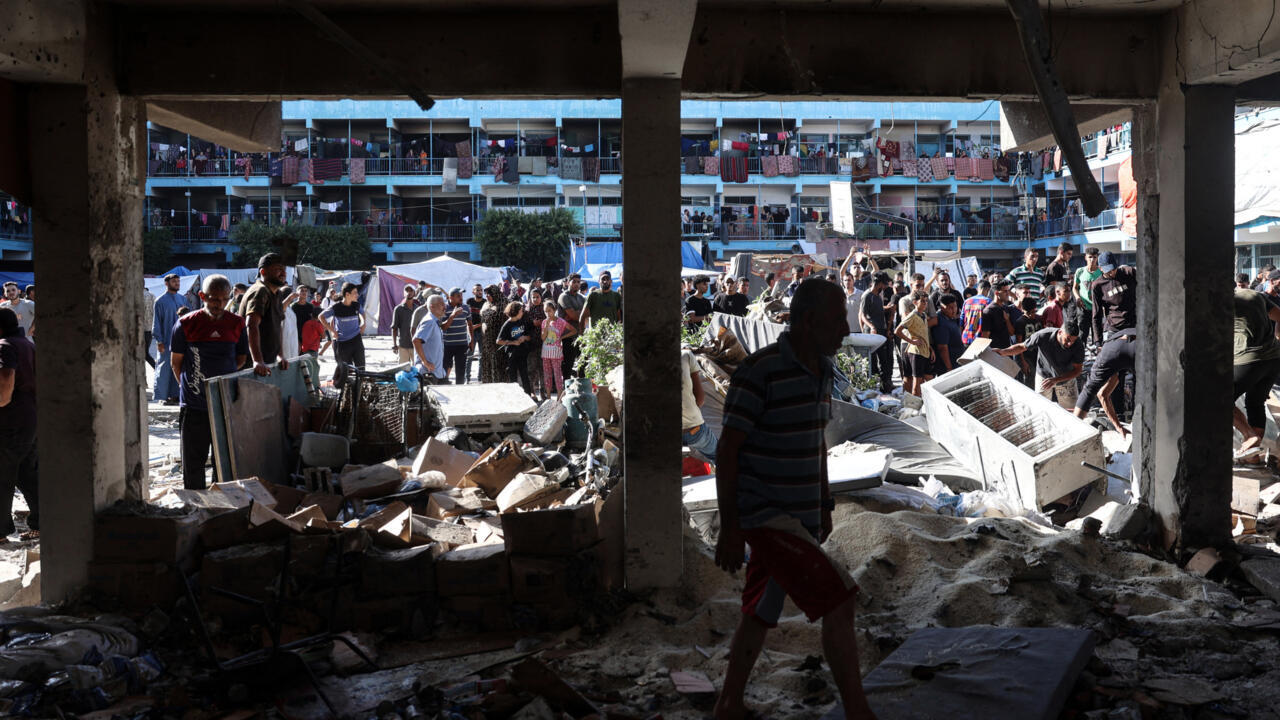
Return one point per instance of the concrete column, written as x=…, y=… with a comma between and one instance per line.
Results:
x=651, y=267
x=87, y=197
x=1186, y=463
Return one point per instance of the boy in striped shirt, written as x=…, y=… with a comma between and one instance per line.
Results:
x=773, y=494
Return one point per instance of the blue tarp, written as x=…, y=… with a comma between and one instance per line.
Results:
x=22, y=278
x=610, y=253
x=179, y=270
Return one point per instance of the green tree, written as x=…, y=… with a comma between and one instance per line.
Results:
x=600, y=350
x=157, y=250
x=333, y=247
x=533, y=242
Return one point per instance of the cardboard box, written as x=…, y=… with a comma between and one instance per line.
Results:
x=288, y=499
x=552, y=580
x=473, y=570
x=482, y=612
x=136, y=585
x=495, y=468
x=141, y=539
x=330, y=504
x=392, y=573
x=405, y=616
x=443, y=457
x=554, y=531
x=458, y=501
x=224, y=529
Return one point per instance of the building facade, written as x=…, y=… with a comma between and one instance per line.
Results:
x=759, y=172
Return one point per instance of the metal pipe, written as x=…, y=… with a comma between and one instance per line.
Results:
x=1105, y=471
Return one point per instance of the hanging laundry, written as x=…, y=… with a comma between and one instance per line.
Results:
x=511, y=171
x=248, y=209
x=715, y=145
x=463, y=148
x=986, y=171
x=711, y=165
x=356, y=170
x=1057, y=159
x=204, y=218
x=964, y=168
x=276, y=168
x=788, y=166
x=466, y=166
x=924, y=170
x=1001, y=168
x=449, y=178
x=571, y=168
x=769, y=166
x=692, y=165
x=226, y=222
x=300, y=145
x=1103, y=141
x=589, y=148
x=591, y=169
x=938, y=166
x=327, y=169
x=733, y=169
x=738, y=145
x=499, y=167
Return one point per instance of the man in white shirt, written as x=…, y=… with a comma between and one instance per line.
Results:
x=694, y=432
x=24, y=309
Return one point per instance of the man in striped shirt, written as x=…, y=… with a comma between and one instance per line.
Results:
x=1028, y=275
x=971, y=313
x=773, y=495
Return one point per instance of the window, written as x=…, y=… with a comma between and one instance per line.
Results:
x=593, y=200
x=739, y=200
x=695, y=201
x=954, y=141
x=928, y=144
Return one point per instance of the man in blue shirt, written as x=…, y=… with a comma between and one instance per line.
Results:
x=428, y=342
x=164, y=316
x=206, y=343
x=947, y=335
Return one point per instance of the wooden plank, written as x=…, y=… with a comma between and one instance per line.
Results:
x=218, y=432
x=255, y=427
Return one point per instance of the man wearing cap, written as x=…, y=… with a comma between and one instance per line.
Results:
x=164, y=315
x=571, y=304
x=456, y=325
x=264, y=315
x=1115, y=298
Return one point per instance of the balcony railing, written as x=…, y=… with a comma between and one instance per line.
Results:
x=1075, y=224
x=19, y=231
x=1116, y=142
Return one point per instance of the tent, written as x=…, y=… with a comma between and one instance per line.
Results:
x=178, y=270
x=610, y=253
x=1257, y=194
x=443, y=272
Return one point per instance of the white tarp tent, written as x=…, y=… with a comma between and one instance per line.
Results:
x=1257, y=175
x=442, y=272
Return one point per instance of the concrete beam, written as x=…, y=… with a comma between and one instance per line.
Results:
x=183, y=54
x=734, y=52
x=1262, y=92
x=655, y=36
x=651, y=327
x=1227, y=42
x=761, y=52
x=242, y=126
x=1024, y=127
x=42, y=41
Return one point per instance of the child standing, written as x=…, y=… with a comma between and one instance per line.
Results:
x=554, y=331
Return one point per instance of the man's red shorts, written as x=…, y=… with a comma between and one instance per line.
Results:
x=785, y=560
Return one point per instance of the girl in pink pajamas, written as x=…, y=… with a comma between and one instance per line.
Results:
x=554, y=331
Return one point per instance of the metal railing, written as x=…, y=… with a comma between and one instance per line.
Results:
x=1116, y=142
x=1074, y=224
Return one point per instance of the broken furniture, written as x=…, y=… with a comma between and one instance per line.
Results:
x=1025, y=446
x=377, y=417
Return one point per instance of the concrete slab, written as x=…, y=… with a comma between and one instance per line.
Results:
x=1263, y=574
x=488, y=407
x=977, y=673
